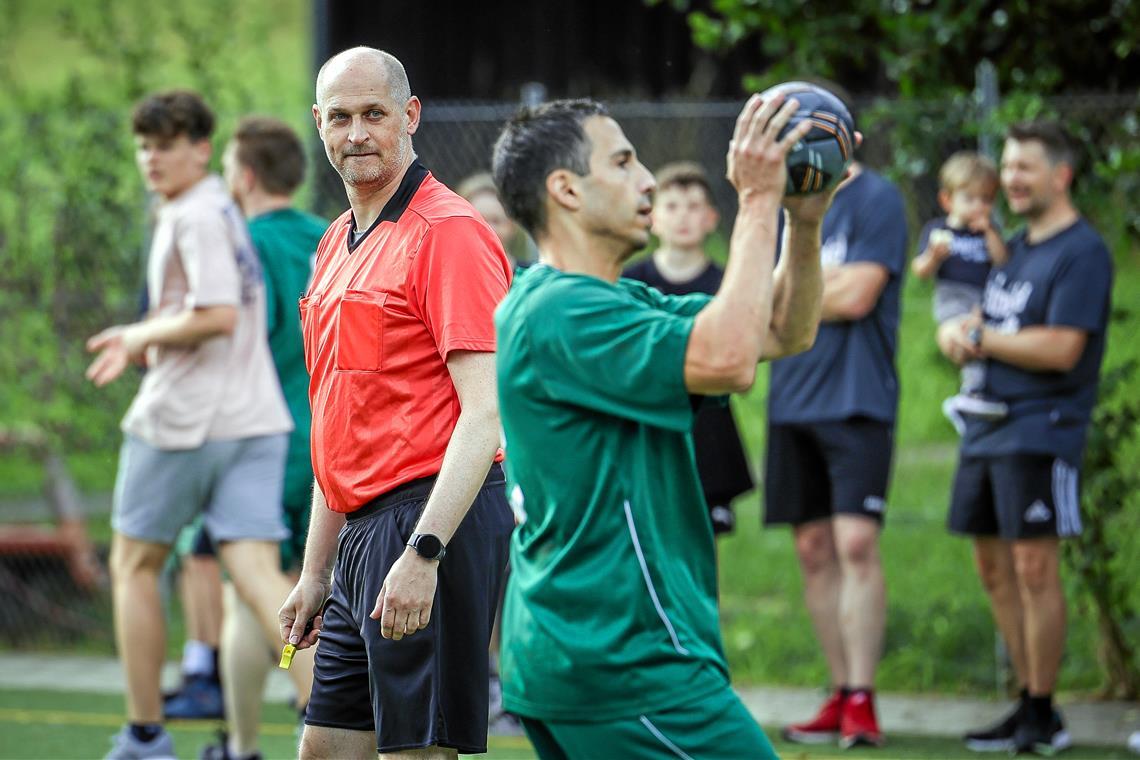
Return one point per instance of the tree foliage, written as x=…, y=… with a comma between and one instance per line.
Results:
x=928, y=48
x=73, y=211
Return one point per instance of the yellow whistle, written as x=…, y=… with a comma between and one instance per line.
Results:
x=287, y=653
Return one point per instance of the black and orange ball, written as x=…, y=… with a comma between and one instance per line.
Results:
x=819, y=161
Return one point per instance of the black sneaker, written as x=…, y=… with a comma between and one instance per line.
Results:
x=1035, y=739
x=221, y=750
x=998, y=737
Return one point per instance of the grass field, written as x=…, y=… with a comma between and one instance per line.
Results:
x=58, y=725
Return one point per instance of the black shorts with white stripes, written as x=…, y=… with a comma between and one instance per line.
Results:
x=1016, y=496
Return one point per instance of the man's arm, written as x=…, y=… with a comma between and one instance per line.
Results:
x=120, y=345
x=850, y=291
x=315, y=583
x=405, y=601
x=1039, y=348
x=729, y=335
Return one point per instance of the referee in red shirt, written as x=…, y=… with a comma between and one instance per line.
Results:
x=399, y=342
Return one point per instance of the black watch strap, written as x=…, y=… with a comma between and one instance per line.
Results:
x=427, y=546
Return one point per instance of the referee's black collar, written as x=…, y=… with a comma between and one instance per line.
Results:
x=396, y=205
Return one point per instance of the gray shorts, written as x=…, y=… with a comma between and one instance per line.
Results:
x=954, y=299
x=235, y=484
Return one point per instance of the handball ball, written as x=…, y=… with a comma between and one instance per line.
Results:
x=818, y=161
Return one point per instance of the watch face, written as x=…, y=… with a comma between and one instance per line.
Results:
x=427, y=545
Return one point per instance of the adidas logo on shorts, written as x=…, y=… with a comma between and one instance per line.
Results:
x=1038, y=512
x=874, y=504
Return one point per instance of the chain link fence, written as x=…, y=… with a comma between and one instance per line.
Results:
x=907, y=140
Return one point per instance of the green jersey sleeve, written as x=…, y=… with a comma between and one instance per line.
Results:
x=606, y=349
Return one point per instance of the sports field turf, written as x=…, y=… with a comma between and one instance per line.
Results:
x=52, y=724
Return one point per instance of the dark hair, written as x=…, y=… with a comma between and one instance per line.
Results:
x=173, y=113
x=536, y=142
x=1055, y=139
x=273, y=151
x=683, y=175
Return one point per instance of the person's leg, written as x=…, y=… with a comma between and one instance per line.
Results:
x=140, y=630
x=427, y=753
x=797, y=492
x=994, y=561
x=201, y=587
x=1036, y=563
x=322, y=742
x=819, y=563
x=246, y=661
x=858, y=452
x=254, y=567
x=156, y=493
x=862, y=597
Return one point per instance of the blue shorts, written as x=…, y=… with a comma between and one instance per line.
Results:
x=429, y=688
x=814, y=471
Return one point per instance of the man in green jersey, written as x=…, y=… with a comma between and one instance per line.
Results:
x=264, y=165
x=611, y=639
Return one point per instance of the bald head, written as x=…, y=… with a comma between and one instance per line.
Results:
x=364, y=63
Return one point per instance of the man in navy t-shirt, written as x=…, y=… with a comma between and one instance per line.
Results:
x=1042, y=337
x=831, y=417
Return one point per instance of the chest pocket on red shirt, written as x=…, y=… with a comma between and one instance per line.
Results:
x=360, y=331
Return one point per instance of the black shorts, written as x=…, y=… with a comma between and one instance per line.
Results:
x=429, y=688
x=1016, y=496
x=814, y=471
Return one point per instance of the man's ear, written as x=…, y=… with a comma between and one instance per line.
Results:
x=317, y=116
x=562, y=187
x=1062, y=177
x=412, y=111
x=203, y=150
x=248, y=179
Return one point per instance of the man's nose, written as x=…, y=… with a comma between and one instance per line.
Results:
x=356, y=132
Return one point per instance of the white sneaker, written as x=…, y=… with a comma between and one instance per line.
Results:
x=126, y=747
x=1134, y=742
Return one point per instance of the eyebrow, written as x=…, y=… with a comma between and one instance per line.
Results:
x=622, y=153
x=345, y=109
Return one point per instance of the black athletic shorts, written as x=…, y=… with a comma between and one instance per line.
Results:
x=1016, y=496
x=429, y=688
x=814, y=471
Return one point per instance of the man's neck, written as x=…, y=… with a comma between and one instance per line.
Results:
x=679, y=265
x=1057, y=217
x=574, y=251
x=256, y=204
x=186, y=188
x=368, y=202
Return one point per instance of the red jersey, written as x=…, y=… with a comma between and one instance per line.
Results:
x=380, y=319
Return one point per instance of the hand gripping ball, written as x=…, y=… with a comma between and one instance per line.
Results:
x=818, y=161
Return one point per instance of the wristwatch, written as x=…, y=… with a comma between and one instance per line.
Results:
x=427, y=545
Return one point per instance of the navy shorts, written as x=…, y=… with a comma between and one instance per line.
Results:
x=429, y=688
x=814, y=471
x=1017, y=496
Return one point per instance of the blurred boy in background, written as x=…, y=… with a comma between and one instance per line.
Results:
x=207, y=430
x=684, y=215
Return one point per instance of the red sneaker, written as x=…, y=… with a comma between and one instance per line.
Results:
x=823, y=728
x=858, y=724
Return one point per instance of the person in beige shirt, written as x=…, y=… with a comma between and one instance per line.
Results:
x=207, y=432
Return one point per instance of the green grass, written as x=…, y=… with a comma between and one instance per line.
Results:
x=59, y=725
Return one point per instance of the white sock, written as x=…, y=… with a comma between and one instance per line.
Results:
x=197, y=658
